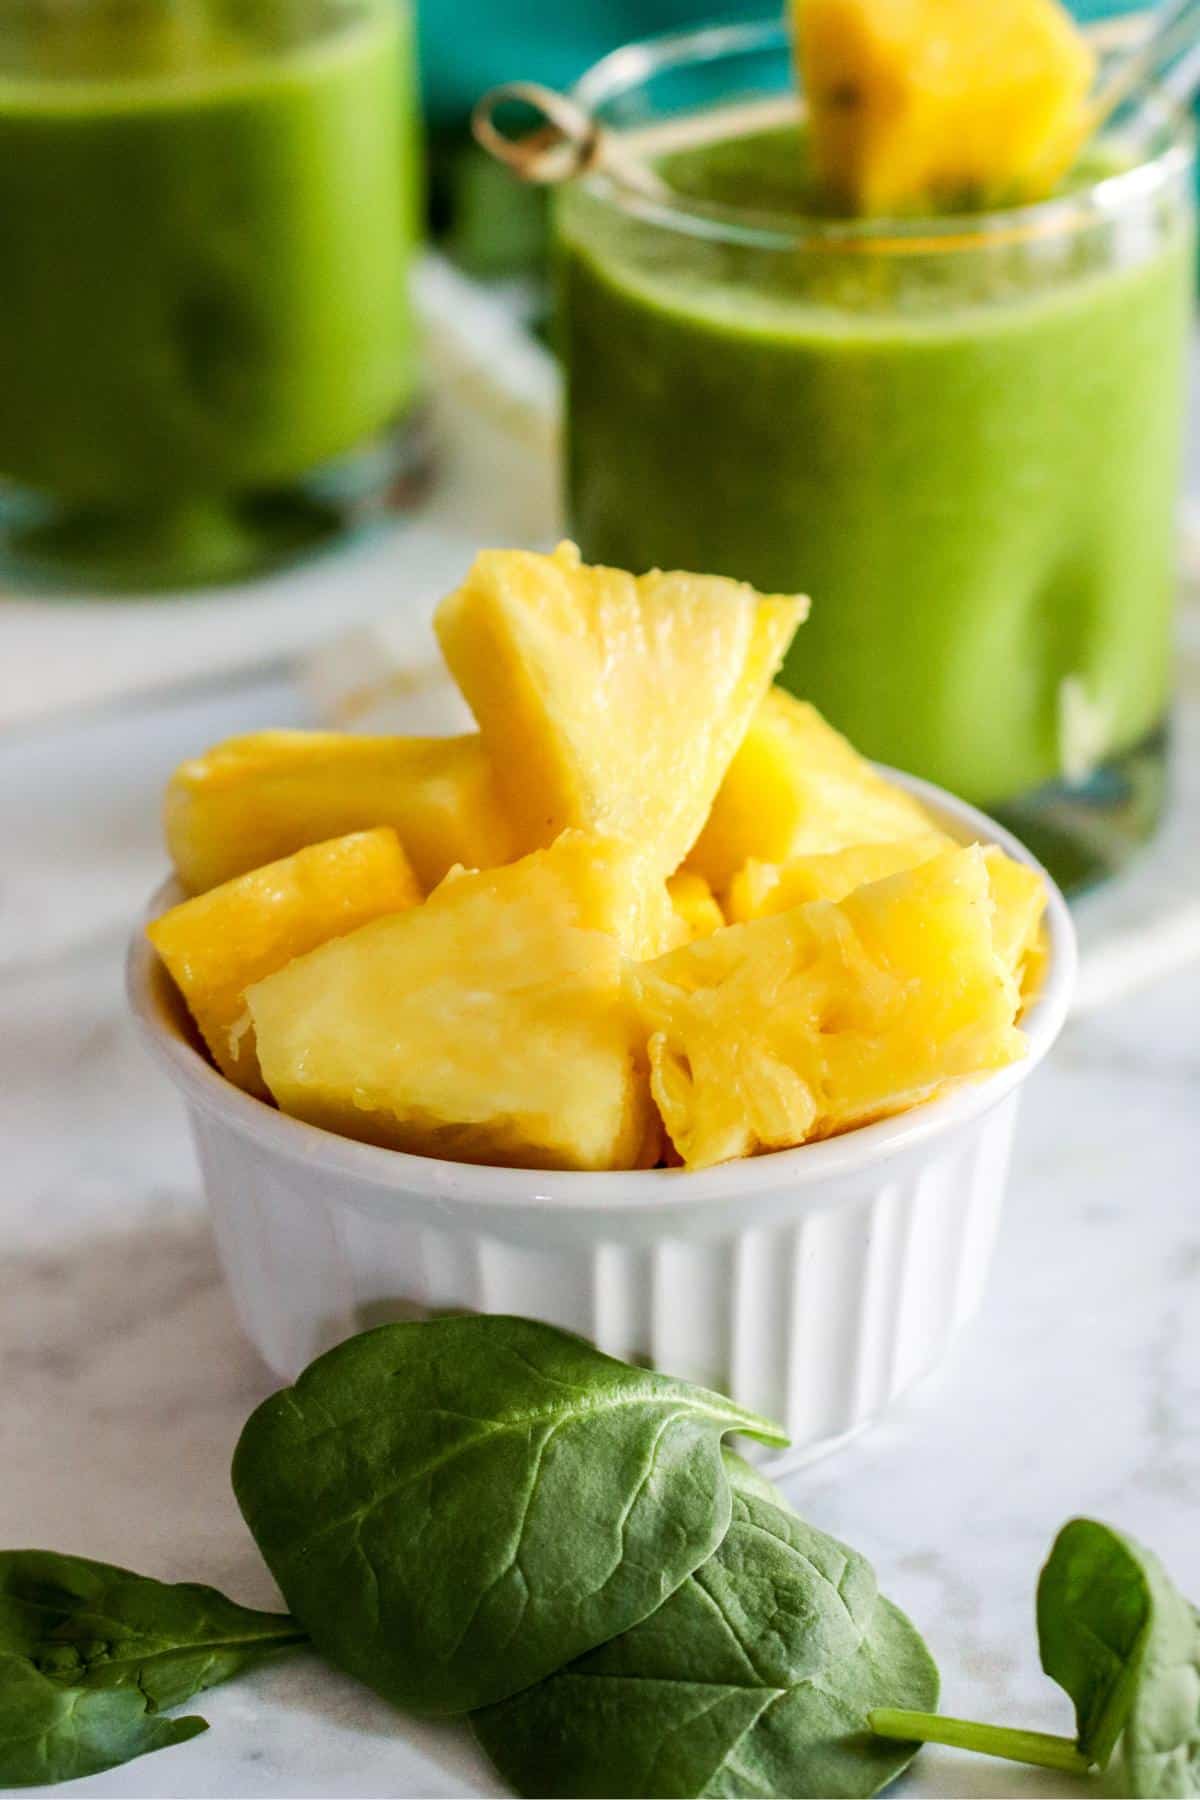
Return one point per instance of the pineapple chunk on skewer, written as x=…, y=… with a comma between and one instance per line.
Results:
x=919, y=106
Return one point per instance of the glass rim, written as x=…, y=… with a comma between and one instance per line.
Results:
x=632, y=65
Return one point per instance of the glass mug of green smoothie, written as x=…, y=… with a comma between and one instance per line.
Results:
x=960, y=435
x=207, y=209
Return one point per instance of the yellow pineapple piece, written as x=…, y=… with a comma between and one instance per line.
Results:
x=1018, y=892
x=831, y=1015
x=253, y=799
x=760, y=889
x=614, y=888
x=798, y=788
x=218, y=943
x=1033, y=967
x=695, y=905
x=927, y=105
x=610, y=702
x=1019, y=897
x=494, y=1024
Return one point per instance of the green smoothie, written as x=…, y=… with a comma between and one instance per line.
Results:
x=970, y=461
x=207, y=214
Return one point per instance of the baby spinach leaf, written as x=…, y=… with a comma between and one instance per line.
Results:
x=91, y=1624
x=747, y=1479
x=455, y=1509
x=53, y=1732
x=92, y=1655
x=1125, y=1645
x=754, y=1678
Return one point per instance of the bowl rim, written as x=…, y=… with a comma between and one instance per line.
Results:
x=827, y=1161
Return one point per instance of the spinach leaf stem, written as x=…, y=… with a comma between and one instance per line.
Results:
x=1040, y=1748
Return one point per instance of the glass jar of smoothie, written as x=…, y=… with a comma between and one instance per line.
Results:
x=208, y=209
x=960, y=435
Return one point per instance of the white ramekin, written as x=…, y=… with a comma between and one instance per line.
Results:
x=814, y=1285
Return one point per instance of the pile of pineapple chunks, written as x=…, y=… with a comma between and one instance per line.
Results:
x=655, y=911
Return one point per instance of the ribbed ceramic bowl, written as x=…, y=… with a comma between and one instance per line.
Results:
x=814, y=1285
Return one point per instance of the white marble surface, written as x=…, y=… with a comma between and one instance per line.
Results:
x=123, y=1381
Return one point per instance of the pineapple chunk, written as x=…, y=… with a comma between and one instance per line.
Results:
x=831, y=1015
x=614, y=888
x=797, y=788
x=760, y=889
x=610, y=702
x=217, y=944
x=494, y=1024
x=253, y=799
x=1019, y=898
x=921, y=105
x=1018, y=892
x=695, y=905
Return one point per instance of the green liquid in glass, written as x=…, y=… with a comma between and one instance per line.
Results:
x=207, y=216
x=974, y=478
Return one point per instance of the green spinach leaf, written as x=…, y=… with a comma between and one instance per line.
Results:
x=745, y=1478
x=754, y=1678
x=1125, y=1645
x=455, y=1509
x=92, y=1655
x=91, y=1624
x=53, y=1732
